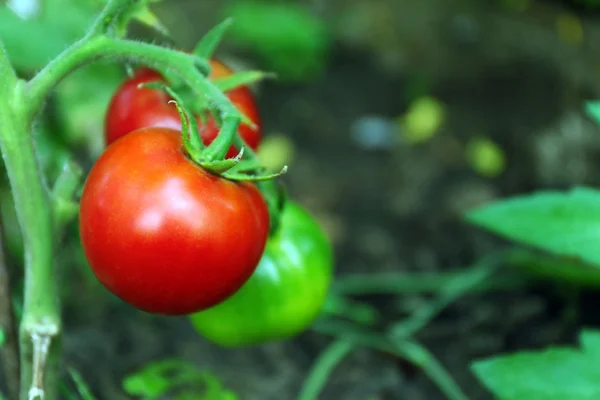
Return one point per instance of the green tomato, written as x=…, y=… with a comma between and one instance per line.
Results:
x=286, y=292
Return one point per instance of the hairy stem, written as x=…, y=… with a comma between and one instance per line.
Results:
x=166, y=61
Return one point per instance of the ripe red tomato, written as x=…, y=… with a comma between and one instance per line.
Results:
x=132, y=108
x=162, y=233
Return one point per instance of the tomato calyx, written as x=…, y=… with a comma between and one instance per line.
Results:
x=212, y=157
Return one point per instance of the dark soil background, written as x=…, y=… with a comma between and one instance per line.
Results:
x=500, y=72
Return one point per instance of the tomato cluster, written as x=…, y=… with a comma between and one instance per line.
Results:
x=170, y=237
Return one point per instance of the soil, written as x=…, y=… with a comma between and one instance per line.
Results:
x=501, y=73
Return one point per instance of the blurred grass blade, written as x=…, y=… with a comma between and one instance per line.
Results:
x=407, y=350
x=361, y=313
x=323, y=368
x=455, y=288
x=420, y=356
x=82, y=387
x=210, y=41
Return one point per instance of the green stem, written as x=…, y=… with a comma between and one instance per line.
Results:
x=41, y=318
x=219, y=147
x=162, y=59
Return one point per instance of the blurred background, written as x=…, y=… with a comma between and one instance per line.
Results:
x=395, y=117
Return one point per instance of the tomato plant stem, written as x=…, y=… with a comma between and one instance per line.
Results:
x=41, y=320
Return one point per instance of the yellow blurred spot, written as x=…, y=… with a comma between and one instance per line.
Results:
x=485, y=157
x=423, y=119
x=569, y=29
x=276, y=151
x=517, y=5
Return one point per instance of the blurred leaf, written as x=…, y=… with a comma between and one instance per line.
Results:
x=162, y=377
x=561, y=269
x=485, y=157
x=82, y=99
x=275, y=151
x=291, y=40
x=2, y=337
x=592, y=108
x=569, y=29
x=563, y=223
x=422, y=120
x=210, y=41
x=558, y=373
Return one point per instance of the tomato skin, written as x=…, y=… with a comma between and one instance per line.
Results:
x=162, y=233
x=132, y=108
x=284, y=295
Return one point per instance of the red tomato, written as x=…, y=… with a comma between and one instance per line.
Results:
x=162, y=233
x=132, y=108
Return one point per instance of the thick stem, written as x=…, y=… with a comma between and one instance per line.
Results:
x=41, y=316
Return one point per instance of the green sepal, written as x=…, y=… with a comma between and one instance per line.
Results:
x=139, y=11
x=220, y=167
x=210, y=41
x=189, y=126
x=254, y=177
x=243, y=78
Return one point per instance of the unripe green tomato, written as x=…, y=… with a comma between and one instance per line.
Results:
x=286, y=292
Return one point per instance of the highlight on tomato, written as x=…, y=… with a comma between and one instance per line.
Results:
x=132, y=108
x=285, y=294
x=164, y=234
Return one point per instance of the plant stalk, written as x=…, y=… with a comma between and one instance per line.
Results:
x=41, y=315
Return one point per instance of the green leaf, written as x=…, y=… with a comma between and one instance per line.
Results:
x=210, y=41
x=552, y=268
x=159, y=378
x=80, y=99
x=2, y=337
x=563, y=223
x=592, y=108
x=559, y=373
